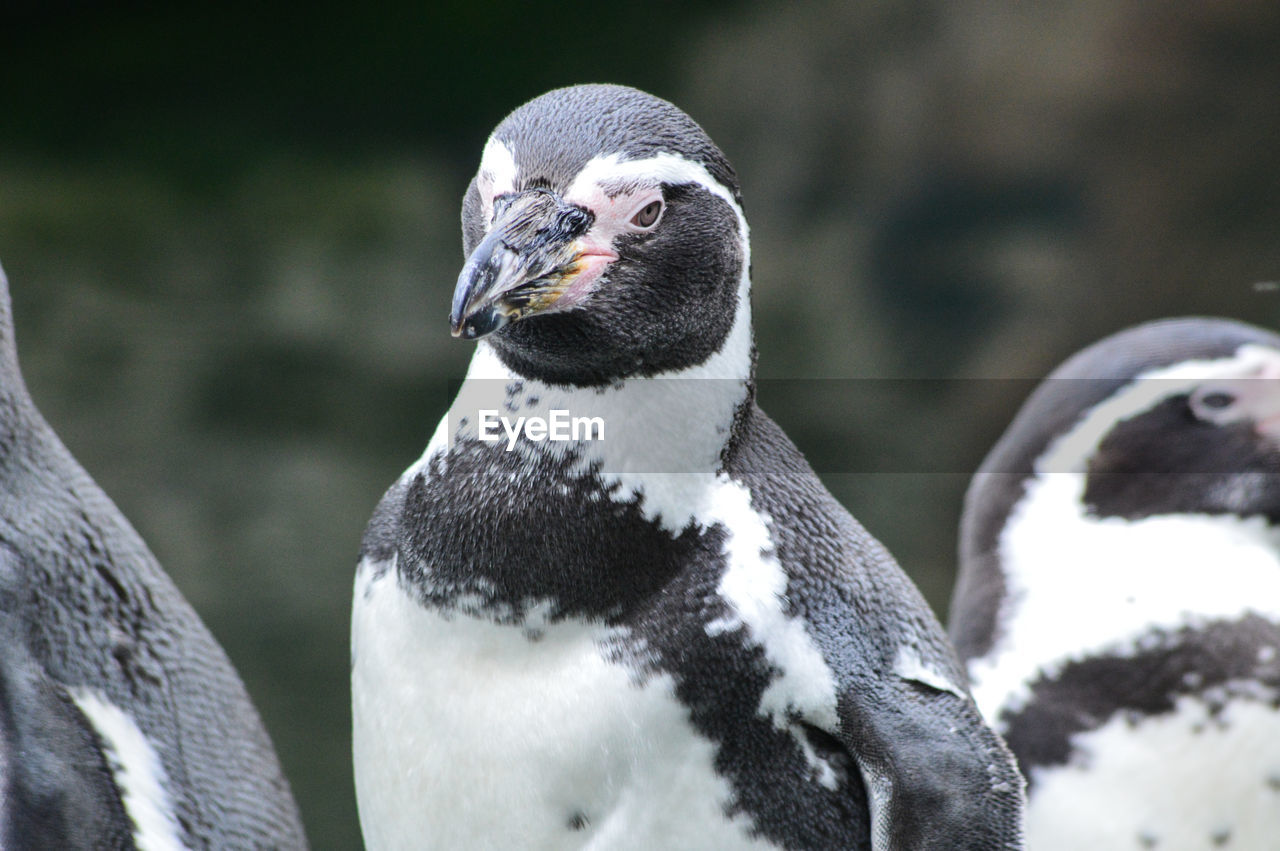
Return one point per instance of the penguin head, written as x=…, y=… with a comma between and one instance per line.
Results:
x=1170, y=417
x=1173, y=416
x=605, y=239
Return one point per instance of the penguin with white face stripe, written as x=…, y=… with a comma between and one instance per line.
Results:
x=664, y=632
x=122, y=723
x=1118, y=605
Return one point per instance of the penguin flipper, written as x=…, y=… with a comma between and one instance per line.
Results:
x=57, y=789
x=936, y=775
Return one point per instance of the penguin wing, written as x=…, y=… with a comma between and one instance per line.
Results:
x=57, y=788
x=936, y=776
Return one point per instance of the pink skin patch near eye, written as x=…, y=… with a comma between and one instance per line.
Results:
x=613, y=216
x=591, y=263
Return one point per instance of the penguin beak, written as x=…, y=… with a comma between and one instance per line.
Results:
x=534, y=258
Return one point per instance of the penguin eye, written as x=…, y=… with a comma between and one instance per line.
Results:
x=1212, y=403
x=1217, y=400
x=648, y=215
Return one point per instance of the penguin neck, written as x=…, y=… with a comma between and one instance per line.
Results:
x=643, y=476
x=662, y=442
x=680, y=421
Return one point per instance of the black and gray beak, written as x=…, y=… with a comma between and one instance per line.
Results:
x=522, y=266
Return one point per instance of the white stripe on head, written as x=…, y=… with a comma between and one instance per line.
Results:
x=1071, y=452
x=137, y=771
x=496, y=176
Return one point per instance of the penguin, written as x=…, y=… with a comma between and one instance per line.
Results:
x=611, y=606
x=122, y=723
x=1118, y=601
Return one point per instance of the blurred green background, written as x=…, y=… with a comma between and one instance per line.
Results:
x=232, y=234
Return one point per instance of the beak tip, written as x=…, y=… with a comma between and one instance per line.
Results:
x=479, y=323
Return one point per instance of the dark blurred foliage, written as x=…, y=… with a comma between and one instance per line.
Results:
x=201, y=90
x=231, y=234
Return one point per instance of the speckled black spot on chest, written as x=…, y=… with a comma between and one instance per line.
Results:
x=495, y=531
x=1085, y=695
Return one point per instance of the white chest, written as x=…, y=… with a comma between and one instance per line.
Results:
x=469, y=734
x=1189, y=779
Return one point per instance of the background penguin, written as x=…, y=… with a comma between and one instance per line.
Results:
x=664, y=633
x=1118, y=605
x=122, y=722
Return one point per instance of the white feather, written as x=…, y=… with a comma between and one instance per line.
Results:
x=1078, y=586
x=497, y=175
x=137, y=771
x=910, y=665
x=1071, y=452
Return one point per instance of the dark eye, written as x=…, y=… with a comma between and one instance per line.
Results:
x=1217, y=400
x=1213, y=404
x=648, y=215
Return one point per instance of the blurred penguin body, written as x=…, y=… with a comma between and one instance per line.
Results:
x=1118, y=607
x=122, y=722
